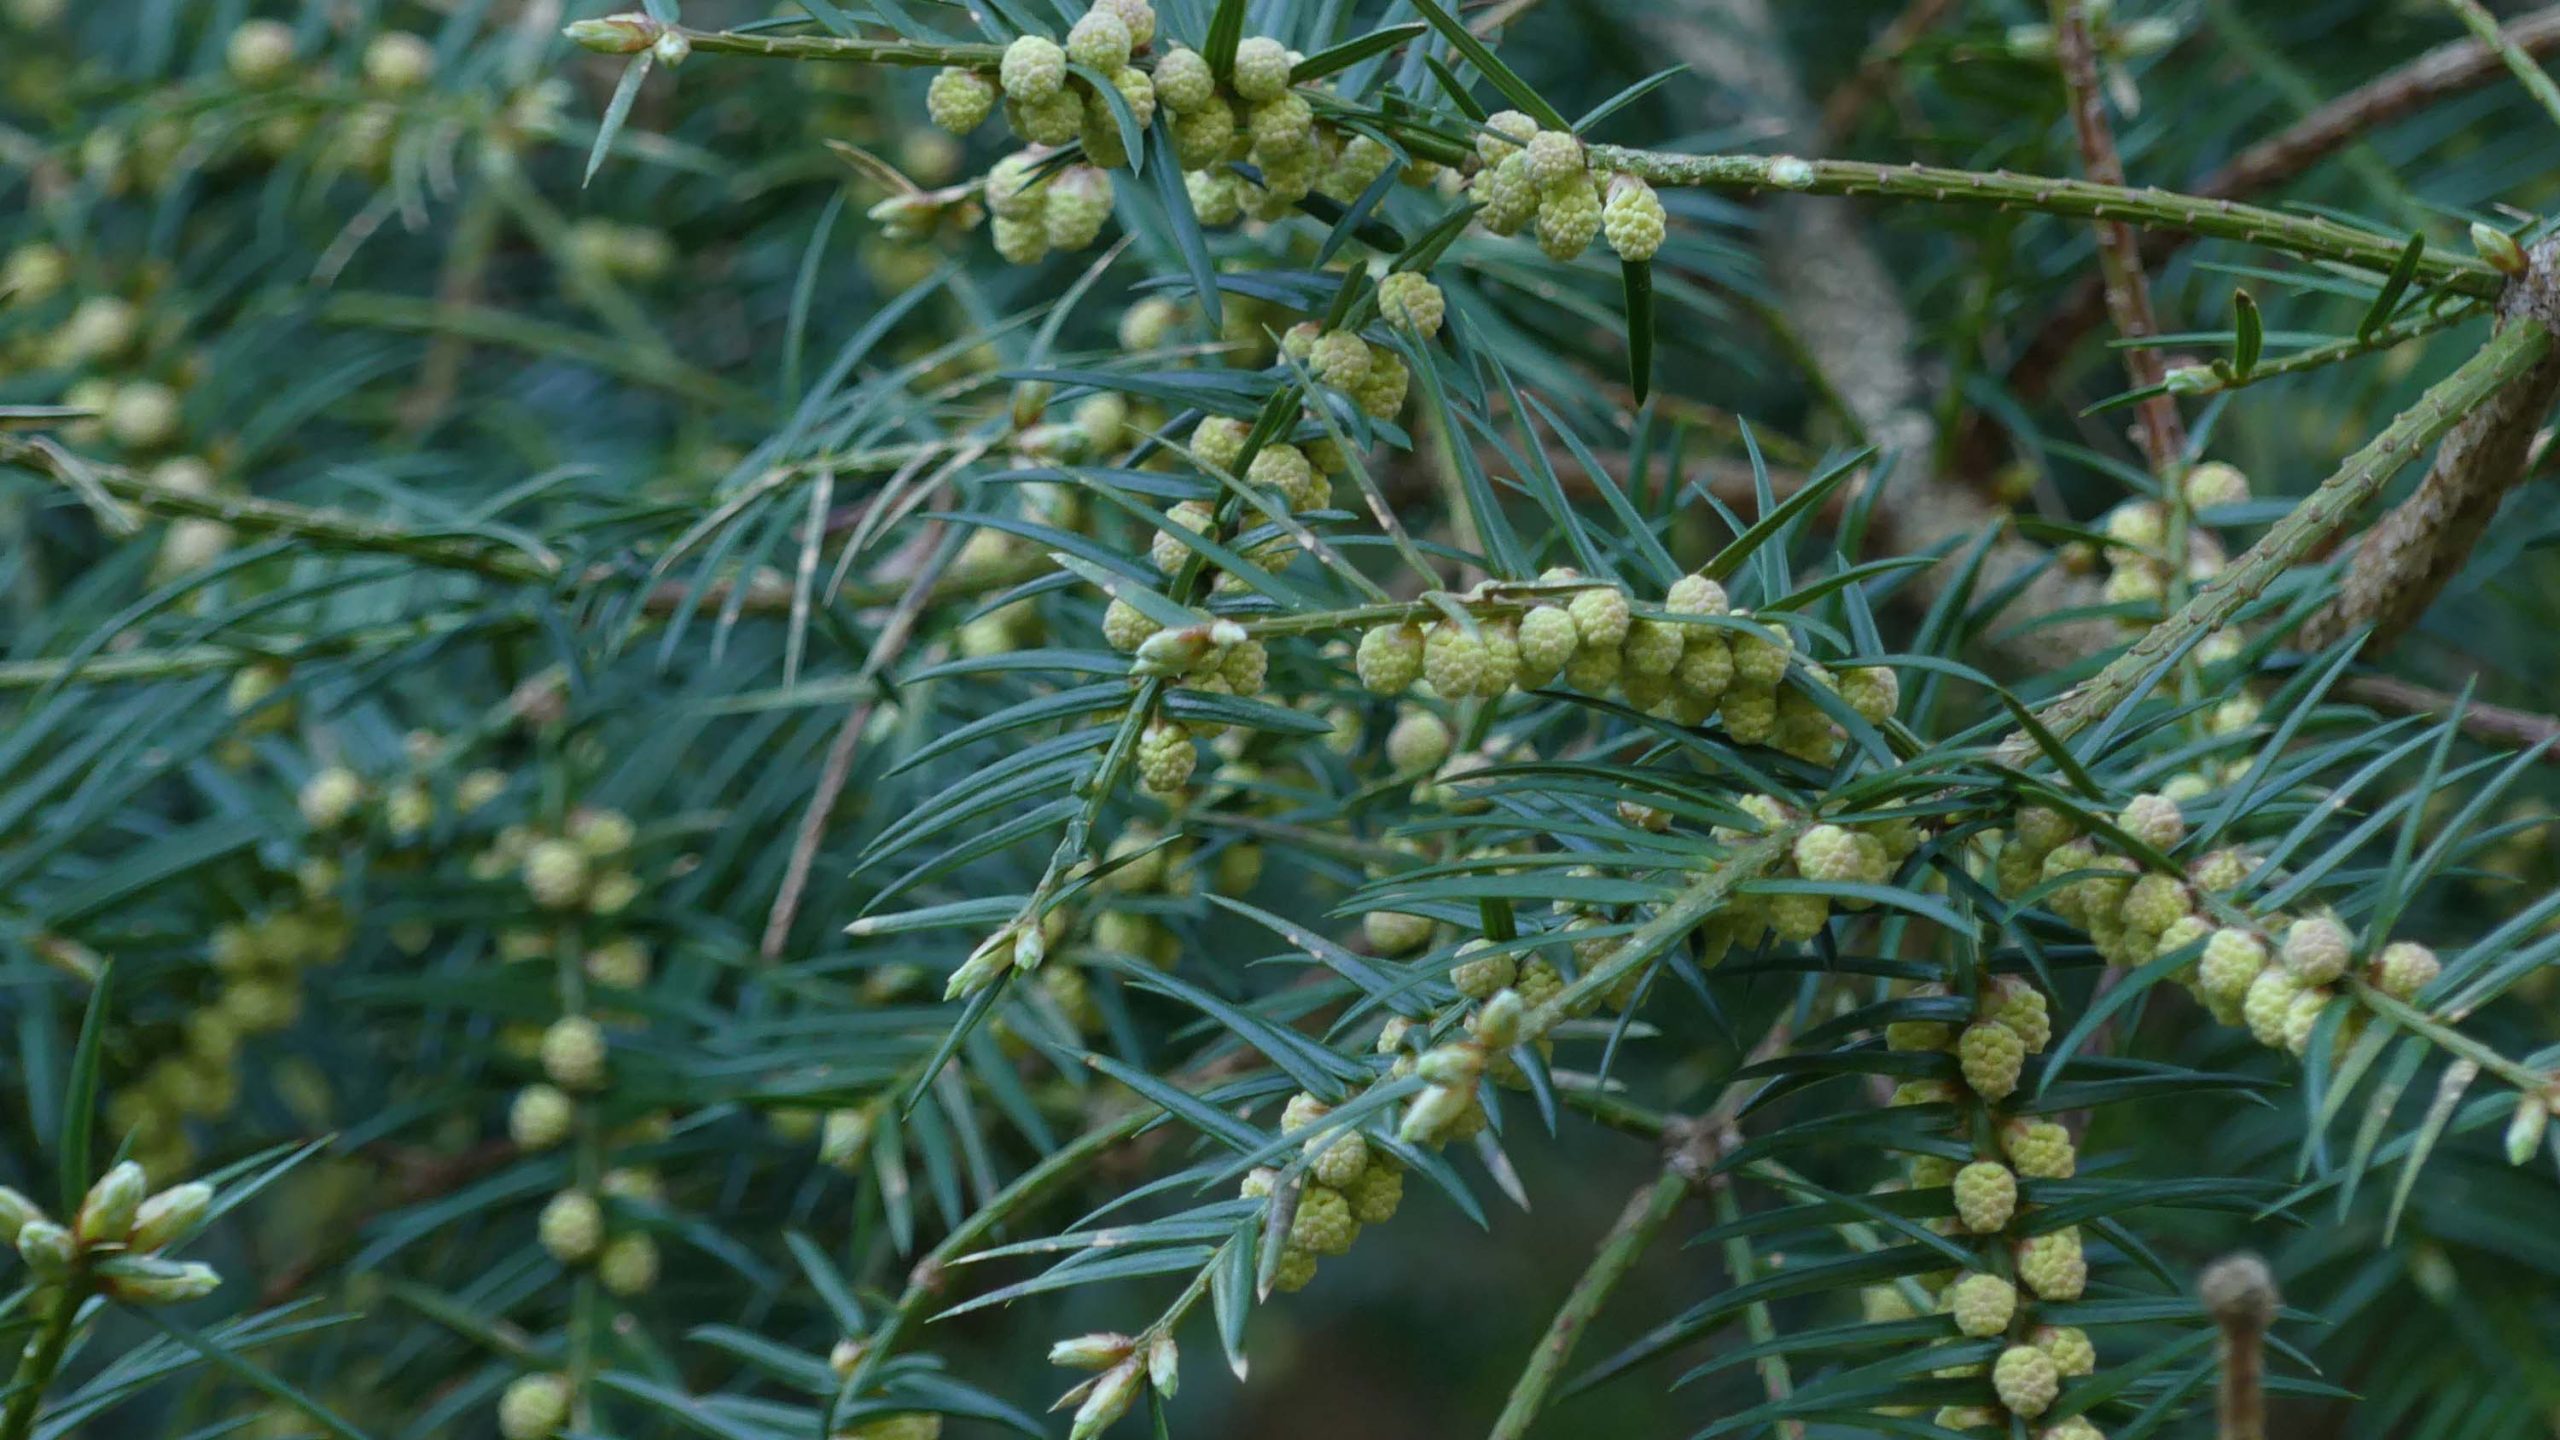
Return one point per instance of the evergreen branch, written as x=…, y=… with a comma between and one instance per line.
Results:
x=1691, y=1148
x=2510, y=353
x=2202, y=380
x=1612, y=1108
x=2445, y=71
x=925, y=1279
x=2484, y=28
x=2444, y=1037
x=1692, y=906
x=587, y=1160
x=1188, y=586
x=329, y=529
x=1741, y=1268
x=2406, y=560
x=2164, y=438
x=2310, y=237
x=43, y=1355
x=1648, y=1210
x=766, y=593
x=1500, y=600
x=835, y=48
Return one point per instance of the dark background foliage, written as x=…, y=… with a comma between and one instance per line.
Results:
x=555, y=395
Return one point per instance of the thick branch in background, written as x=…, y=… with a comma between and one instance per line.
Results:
x=2448, y=69
x=2404, y=563
x=2164, y=435
x=2512, y=353
x=1851, y=318
x=2496, y=724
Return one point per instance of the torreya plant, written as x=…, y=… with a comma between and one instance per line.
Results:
x=728, y=724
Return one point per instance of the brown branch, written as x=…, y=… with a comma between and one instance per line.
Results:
x=813, y=829
x=2497, y=724
x=893, y=637
x=2447, y=70
x=2509, y=355
x=2406, y=560
x=2483, y=26
x=2128, y=291
x=463, y=287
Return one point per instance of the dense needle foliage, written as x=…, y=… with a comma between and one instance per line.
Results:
x=728, y=723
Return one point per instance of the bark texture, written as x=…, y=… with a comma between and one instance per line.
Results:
x=2404, y=562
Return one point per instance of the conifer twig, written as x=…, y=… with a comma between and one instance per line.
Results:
x=42, y=1358
x=1690, y=1149
x=1690, y=1156
x=2198, y=380
x=116, y=485
x=766, y=593
x=234, y=652
x=1884, y=53
x=2311, y=237
x=2509, y=353
x=963, y=55
x=2407, y=559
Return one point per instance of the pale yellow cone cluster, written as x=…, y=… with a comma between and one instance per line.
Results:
x=1670, y=666
x=2276, y=973
x=1533, y=178
x=1249, y=142
x=1990, y=1184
